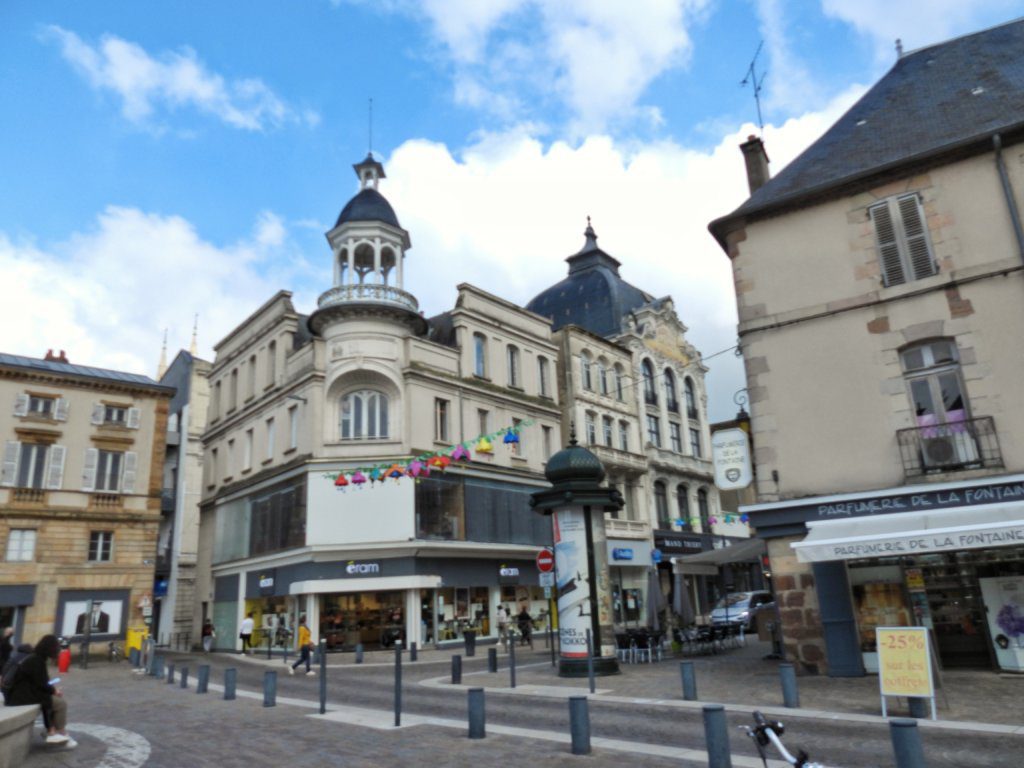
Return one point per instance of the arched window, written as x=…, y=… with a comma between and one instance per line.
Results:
x=620, y=383
x=683, y=502
x=691, y=400
x=650, y=393
x=585, y=376
x=661, y=505
x=602, y=376
x=364, y=415
x=671, y=399
x=591, y=424
x=479, y=354
x=542, y=377
x=513, y=366
x=703, y=511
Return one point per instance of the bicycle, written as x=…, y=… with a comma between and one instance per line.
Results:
x=768, y=732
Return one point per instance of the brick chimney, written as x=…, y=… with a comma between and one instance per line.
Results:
x=52, y=358
x=757, y=163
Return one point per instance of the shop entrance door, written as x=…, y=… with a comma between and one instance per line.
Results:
x=957, y=610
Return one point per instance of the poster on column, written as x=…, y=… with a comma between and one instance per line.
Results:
x=602, y=579
x=1004, y=604
x=572, y=581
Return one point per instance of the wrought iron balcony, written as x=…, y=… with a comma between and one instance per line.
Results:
x=368, y=293
x=957, y=445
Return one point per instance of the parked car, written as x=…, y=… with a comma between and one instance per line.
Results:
x=739, y=608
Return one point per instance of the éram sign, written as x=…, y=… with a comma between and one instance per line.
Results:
x=730, y=452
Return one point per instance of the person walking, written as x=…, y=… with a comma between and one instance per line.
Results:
x=525, y=621
x=305, y=646
x=208, y=635
x=245, y=632
x=6, y=646
x=503, y=621
x=31, y=685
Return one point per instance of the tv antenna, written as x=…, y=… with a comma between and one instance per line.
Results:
x=370, y=129
x=756, y=82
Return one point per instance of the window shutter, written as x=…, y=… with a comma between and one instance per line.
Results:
x=61, y=411
x=55, y=473
x=98, y=411
x=92, y=456
x=133, y=418
x=21, y=404
x=921, y=262
x=888, y=249
x=131, y=460
x=12, y=450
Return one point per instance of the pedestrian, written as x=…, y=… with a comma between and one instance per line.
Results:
x=6, y=646
x=245, y=632
x=305, y=646
x=503, y=621
x=18, y=655
x=31, y=685
x=208, y=635
x=525, y=621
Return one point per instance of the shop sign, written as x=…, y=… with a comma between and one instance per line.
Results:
x=914, y=543
x=352, y=568
x=622, y=553
x=655, y=556
x=730, y=453
x=266, y=583
x=904, y=664
x=508, y=576
x=680, y=544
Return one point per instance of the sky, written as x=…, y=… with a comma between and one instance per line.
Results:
x=167, y=160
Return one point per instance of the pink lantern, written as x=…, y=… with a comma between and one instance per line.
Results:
x=416, y=468
x=460, y=453
x=358, y=478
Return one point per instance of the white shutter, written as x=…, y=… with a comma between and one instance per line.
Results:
x=55, y=472
x=12, y=450
x=888, y=248
x=92, y=457
x=21, y=404
x=131, y=461
x=98, y=412
x=920, y=256
x=133, y=418
x=61, y=411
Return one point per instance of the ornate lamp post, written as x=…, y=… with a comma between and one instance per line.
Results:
x=577, y=503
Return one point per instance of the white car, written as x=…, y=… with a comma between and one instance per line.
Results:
x=739, y=608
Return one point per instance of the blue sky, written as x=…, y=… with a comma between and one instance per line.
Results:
x=164, y=159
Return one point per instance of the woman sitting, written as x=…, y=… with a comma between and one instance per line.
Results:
x=32, y=686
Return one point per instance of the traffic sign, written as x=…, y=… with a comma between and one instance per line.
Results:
x=547, y=593
x=547, y=579
x=545, y=561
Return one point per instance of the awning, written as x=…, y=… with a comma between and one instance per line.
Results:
x=913, y=533
x=706, y=563
x=382, y=584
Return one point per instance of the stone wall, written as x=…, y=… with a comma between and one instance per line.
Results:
x=797, y=599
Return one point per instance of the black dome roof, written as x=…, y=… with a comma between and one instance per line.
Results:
x=368, y=205
x=574, y=464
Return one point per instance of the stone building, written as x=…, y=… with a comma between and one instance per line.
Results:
x=79, y=497
x=879, y=284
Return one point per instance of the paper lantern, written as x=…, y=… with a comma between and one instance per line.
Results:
x=416, y=468
x=358, y=478
x=376, y=474
x=340, y=481
x=484, y=446
x=440, y=462
x=712, y=521
x=395, y=471
x=511, y=438
x=460, y=453
x=744, y=518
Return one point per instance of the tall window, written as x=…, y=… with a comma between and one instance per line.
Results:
x=229, y=458
x=270, y=438
x=108, y=470
x=901, y=236
x=650, y=392
x=654, y=430
x=513, y=366
x=620, y=383
x=233, y=394
x=271, y=362
x=586, y=374
x=364, y=415
x=691, y=400
x=216, y=405
x=479, y=354
x=517, y=448
x=247, y=451
x=542, y=376
x=545, y=434
x=101, y=544
x=675, y=437
x=591, y=421
x=602, y=376
x=31, y=465
x=483, y=418
x=661, y=505
x=683, y=502
x=607, y=428
x=376, y=418
x=251, y=378
x=41, y=406
x=211, y=467
x=671, y=398
x=623, y=435
x=695, y=443
x=21, y=545
x=932, y=373
x=703, y=510
x=441, y=420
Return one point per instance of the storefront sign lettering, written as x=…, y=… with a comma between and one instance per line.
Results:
x=506, y=571
x=266, y=582
x=924, y=544
x=991, y=494
x=621, y=553
x=354, y=569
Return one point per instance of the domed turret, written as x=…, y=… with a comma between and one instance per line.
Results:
x=574, y=464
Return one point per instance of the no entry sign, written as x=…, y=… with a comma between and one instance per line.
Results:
x=545, y=561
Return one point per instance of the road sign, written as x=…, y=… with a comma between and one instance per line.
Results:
x=545, y=561
x=547, y=579
x=547, y=593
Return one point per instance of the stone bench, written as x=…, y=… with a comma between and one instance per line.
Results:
x=16, y=725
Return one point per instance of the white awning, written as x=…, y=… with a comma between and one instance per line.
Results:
x=706, y=563
x=381, y=584
x=913, y=533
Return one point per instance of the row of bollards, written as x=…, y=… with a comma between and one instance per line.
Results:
x=579, y=720
x=787, y=676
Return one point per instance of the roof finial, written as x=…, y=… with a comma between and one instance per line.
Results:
x=899, y=48
x=161, y=367
x=591, y=244
x=370, y=116
x=195, y=330
x=572, y=424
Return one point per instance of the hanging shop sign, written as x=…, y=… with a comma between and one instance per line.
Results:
x=730, y=453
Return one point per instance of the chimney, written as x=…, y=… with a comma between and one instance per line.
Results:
x=757, y=163
x=63, y=358
x=50, y=357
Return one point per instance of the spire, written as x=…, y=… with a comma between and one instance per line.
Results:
x=591, y=244
x=195, y=330
x=161, y=367
x=370, y=171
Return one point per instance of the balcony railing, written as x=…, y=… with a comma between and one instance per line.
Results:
x=28, y=496
x=105, y=501
x=958, y=445
x=363, y=293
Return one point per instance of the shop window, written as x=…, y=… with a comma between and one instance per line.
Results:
x=364, y=415
x=439, y=509
x=661, y=505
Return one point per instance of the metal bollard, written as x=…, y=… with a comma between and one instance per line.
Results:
x=590, y=661
x=158, y=666
x=322, y=647
x=170, y=674
x=456, y=670
x=203, y=678
x=716, y=735
x=689, y=675
x=512, y=663
x=184, y=677
x=230, y=677
x=269, y=688
x=790, y=695
x=477, y=717
x=398, y=685
x=492, y=659
x=413, y=652
x=906, y=743
x=359, y=653
x=133, y=657
x=918, y=707
x=579, y=725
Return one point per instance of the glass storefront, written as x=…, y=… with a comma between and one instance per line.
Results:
x=462, y=608
x=629, y=593
x=274, y=618
x=532, y=599
x=375, y=619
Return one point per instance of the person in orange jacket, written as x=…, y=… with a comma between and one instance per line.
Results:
x=305, y=646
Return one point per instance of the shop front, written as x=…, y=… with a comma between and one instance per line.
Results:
x=629, y=562
x=948, y=557
x=15, y=600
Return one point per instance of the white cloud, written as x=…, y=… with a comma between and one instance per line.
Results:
x=791, y=86
x=172, y=81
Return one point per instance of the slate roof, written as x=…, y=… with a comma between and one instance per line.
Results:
x=368, y=205
x=441, y=329
x=593, y=296
x=69, y=369
x=933, y=100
